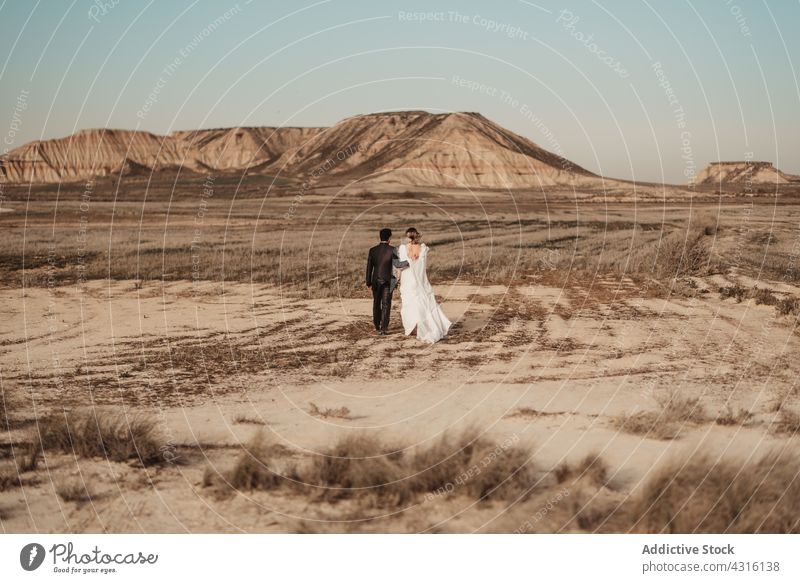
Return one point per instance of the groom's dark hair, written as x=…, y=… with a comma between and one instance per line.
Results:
x=386, y=234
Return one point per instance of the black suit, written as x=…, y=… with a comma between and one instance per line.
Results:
x=380, y=277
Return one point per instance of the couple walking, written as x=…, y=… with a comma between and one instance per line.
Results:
x=386, y=267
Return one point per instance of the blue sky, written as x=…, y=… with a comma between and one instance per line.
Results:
x=651, y=90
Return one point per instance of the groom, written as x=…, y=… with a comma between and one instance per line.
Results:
x=381, y=261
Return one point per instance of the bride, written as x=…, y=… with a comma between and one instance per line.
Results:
x=419, y=309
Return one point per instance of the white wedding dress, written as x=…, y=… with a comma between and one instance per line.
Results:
x=419, y=309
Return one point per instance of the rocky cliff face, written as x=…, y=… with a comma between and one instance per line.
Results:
x=744, y=172
x=413, y=148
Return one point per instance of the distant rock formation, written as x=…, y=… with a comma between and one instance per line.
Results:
x=744, y=172
x=411, y=148
x=93, y=153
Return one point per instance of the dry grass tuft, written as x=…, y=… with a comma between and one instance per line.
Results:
x=678, y=254
x=9, y=408
x=675, y=412
x=9, y=480
x=337, y=413
x=469, y=464
x=100, y=433
x=253, y=470
x=649, y=424
x=591, y=469
x=731, y=417
x=530, y=412
x=5, y=410
x=675, y=407
x=701, y=495
x=461, y=465
x=357, y=464
x=30, y=457
x=787, y=306
x=787, y=422
x=11, y=476
x=247, y=420
x=525, y=412
x=762, y=296
x=74, y=490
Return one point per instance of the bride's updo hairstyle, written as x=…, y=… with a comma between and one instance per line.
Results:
x=414, y=236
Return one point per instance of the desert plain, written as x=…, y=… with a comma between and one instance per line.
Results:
x=195, y=354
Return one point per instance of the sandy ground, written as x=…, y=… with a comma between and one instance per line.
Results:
x=551, y=367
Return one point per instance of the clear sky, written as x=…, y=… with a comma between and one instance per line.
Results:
x=650, y=89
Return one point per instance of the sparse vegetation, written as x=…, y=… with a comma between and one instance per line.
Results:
x=243, y=419
x=11, y=476
x=787, y=422
x=702, y=495
x=8, y=480
x=9, y=405
x=101, y=433
x=532, y=413
x=254, y=469
x=680, y=253
x=762, y=296
x=29, y=456
x=502, y=249
x=361, y=466
x=730, y=417
x=591, y=468
x=674, y=413
x=74, y=490
x=787, y=306
x=5, y=410
x=465, y=464
x=335, y=413
x=492, y=470
x=357, y=464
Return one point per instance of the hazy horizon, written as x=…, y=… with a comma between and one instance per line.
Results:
x=640, y=91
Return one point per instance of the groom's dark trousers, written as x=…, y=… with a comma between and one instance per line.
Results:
x=381, y=259
x=381, y=304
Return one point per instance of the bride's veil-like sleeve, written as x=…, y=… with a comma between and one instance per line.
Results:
x=423, y=255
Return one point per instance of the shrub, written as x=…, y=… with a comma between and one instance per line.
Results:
x=462, y=464
x=731, y=417
x=735, y=291
x=723, y=496
x=100, y=433
x=762, y=296
x=675, y=411
x=357, y=464
x=788, y=421
x=786, y=306
x=253, y=469
x=681, y=253
x=472, y=465
x=591, y=468
x=8, y=406
x=74, y=490
x=337, y=413
x=9, y=480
